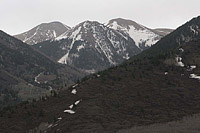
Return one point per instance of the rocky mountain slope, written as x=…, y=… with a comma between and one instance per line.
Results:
x=27, y=73
x=43, y=32
x=90, y=46
x=144, y=90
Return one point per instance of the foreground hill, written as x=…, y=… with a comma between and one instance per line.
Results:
x=144, y=90
x=43, y=32
x=27, y=73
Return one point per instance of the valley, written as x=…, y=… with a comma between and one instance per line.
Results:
x=117, y=76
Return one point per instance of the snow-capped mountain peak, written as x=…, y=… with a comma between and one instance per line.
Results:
x=143, y=36
x=43, y=32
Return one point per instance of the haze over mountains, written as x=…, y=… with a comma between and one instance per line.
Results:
x=92, y=46
x=161, y=84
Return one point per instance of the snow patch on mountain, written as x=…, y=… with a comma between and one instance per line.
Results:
x=194, y=76
x=179, y=61
x=36, y=78
x=69, y=111
x=63, y=60
x=142, y=36
x=74, y=36
x=106, y=46
x=74, y=91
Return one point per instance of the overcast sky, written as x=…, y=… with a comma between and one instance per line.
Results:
x=20, y=15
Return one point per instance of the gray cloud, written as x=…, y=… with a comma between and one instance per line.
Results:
x=20, y=15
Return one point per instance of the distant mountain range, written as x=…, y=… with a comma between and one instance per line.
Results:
x=90, y=45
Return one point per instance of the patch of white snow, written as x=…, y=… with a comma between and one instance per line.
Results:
x=36, y=78
x=69, y=111
x=179, y=61
x=74, y=91
x=194, y=76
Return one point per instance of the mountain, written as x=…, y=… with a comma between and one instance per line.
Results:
x=43, y=32
x=143, y=37
x=144, y=90
x=90, y=46
x=27, y=73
